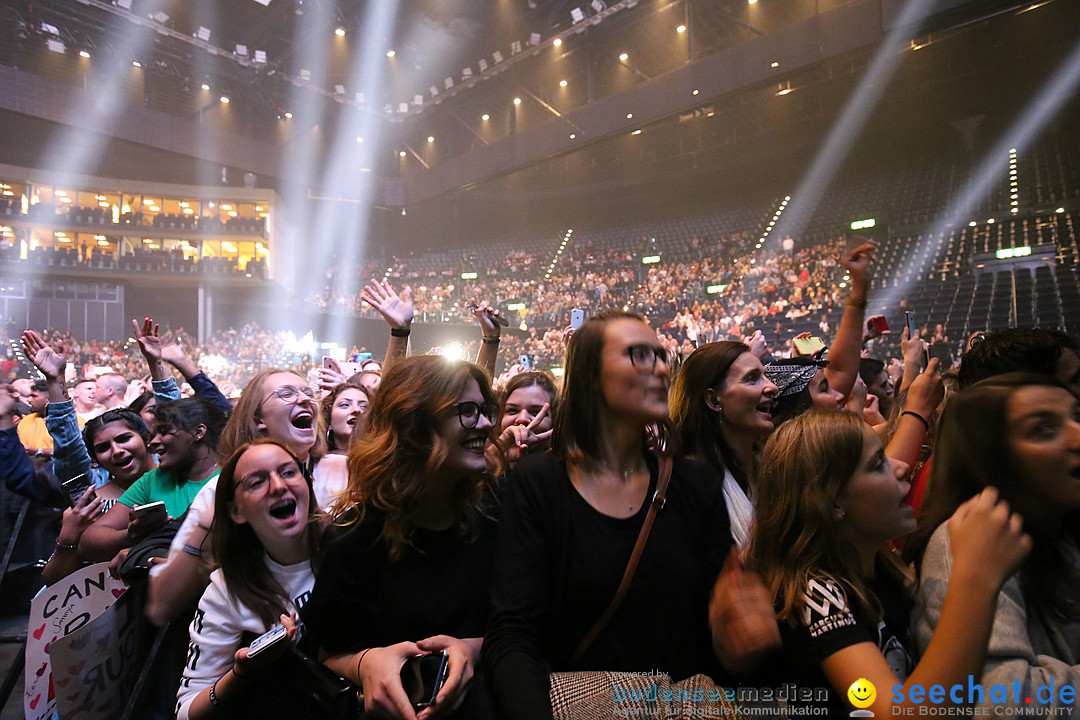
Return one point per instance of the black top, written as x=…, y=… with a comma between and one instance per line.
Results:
x=362, y=600
x=830, y=622
x=559, y=562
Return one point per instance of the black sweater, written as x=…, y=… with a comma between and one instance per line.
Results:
x=558, y=563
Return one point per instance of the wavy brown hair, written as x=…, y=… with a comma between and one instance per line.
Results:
x=243, y=425
x=576, y=436
x=238, y=550
x=393, y=463
x=796, y=536
x=700, y=432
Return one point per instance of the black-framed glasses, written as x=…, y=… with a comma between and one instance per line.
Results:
x=644, y=357
x=469, y=413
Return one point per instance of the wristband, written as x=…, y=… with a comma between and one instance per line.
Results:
x=400, y=332
x=855, y=302
x=493, y=340
x=213, y=695
x=193, y=550
x=916, y=415
x=62, y=546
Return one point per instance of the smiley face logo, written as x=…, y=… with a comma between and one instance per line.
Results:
x=862, y=693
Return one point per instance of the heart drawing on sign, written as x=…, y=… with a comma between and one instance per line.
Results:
x=39, y=631
x=34, y=702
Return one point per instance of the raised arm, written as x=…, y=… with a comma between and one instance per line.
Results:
x=490, y=330
x=922, y=400
x=204, y=387
x=398, y=312
x=846, y=349
x=988, y=547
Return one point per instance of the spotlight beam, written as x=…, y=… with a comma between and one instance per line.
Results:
x=1039, y=112
x=856, y=112
x=416, y=155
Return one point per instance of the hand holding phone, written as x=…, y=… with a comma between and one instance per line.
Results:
x=423, y=676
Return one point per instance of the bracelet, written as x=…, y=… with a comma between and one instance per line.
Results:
x=193, y=550
x=493, y=340
x=242, y=677
x=358, y=664
x=213, y=695
x=855, y=302
x=400, y=332
x=62, y=546
x=916, y=415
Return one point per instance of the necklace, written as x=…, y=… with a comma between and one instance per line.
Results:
x=627, y=478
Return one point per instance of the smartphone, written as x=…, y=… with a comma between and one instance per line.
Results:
x=328, y=362
x=268, y=639
x=422, y=676
x=75, y=488
x=912, y=331
x=877, y=325
x=577, y=317
x=360, y=357
x=808, y=346
x=499, y=319
x=149, y=509
x=525, y=361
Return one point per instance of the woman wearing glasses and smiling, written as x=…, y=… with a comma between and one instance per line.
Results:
x=276, y=404
x=405, y=563
x=573, y=517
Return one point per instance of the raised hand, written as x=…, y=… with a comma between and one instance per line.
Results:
x=397, y=310
x=927, y=391
x=148, y=338
x=857, y=262
x=486, y=316
x=517, y=440
x=50, y=362
x=756, y=343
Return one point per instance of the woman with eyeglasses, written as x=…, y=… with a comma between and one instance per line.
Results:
x=571, y=522
x=266, y=532
x=276, y=404
x=405, y=564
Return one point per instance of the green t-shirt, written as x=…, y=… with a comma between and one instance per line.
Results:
x=159, y=484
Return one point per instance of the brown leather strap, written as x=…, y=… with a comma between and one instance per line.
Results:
x=658, y=500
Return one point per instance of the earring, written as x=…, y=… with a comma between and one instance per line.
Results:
x=840, y=514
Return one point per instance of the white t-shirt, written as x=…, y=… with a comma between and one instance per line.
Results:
x=219, y=624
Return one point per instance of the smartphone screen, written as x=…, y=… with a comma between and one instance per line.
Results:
x=74, y=488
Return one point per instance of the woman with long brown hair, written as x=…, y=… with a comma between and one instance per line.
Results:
x=721, y=405
x=526, y=408
x=1018, y=433
x=340, y=412
x=573, y=518
x=829, y=502
x=266, y=533
x=407, y=559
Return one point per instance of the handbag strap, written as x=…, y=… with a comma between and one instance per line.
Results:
x=658, y=500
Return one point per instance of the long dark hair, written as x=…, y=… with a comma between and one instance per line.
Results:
x=238, y=550
x=576, y=436
x=972, y=453
x=697, y=425
x=326, y=407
